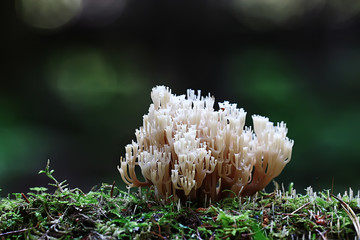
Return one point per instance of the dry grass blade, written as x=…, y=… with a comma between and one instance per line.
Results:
x=322, y=235
x=351, y=215
x=306, y=204
x=13, y=232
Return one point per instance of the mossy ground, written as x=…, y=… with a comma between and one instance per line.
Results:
x=109, y=213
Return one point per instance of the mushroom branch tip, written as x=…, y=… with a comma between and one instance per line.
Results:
x=187, y=149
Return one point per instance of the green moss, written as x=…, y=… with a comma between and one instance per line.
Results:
x=109, y=213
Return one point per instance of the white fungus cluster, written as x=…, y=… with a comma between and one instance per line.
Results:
x=187, y=149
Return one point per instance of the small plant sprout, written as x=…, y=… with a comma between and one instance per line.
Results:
x=188, y=150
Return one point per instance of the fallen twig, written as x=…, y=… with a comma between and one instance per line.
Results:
x=112, y=189
x=25, y=198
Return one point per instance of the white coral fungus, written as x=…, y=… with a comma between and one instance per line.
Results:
x=187, y=149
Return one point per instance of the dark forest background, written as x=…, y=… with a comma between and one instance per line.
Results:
x=76, y=78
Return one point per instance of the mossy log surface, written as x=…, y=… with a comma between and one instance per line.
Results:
x=109, y=213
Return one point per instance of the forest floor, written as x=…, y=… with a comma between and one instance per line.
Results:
x=109, y=213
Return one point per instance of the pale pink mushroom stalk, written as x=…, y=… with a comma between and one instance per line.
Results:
x=186, y=149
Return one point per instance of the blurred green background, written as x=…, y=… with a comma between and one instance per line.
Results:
x=76, y=78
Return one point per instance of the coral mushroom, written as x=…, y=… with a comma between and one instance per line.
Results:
x=186, y=149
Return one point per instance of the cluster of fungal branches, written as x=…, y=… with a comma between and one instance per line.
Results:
x=186, y=149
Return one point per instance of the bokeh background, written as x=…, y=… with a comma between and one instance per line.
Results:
x=76, y=78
